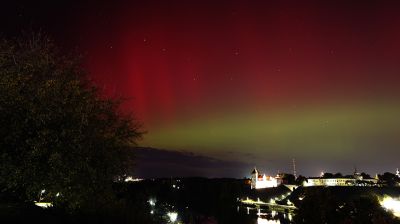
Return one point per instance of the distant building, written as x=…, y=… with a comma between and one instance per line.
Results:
x=355, y=180
x=320, y=181
x=259, y=181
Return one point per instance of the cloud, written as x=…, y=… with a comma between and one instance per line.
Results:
x=157, y=163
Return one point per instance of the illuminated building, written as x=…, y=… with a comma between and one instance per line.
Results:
x=259, y=181
x=355, y=180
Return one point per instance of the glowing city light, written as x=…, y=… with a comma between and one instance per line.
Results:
x=131, y=179
x=266, y=221
x=290, y=217
x=152, y=202
x=391, y=204
x=44, y=204
x=173, y=216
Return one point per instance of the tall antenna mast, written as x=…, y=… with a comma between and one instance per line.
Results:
x=294, y=167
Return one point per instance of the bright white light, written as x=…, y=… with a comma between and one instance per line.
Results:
x=173, y=216
x=43, y=191
x=131, y=179
x=152, y=212
x=266, y=221
x=308, y=183
x=44, y=204
x=152, y=202
x=58, y=194
x=266, y=182
x=391, y=204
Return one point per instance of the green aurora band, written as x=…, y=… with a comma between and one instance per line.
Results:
x=334, y=131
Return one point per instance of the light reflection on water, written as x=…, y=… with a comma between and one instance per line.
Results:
x=266, y=221
x=265, y=216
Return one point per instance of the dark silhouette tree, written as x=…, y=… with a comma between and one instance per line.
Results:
x=365, y=176
x=300, y=180
x=288, y=178
x=338, y=175
x=389, y=179
x=328, y=175
x=59, y=136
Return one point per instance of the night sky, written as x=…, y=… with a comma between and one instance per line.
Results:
x=242, y=83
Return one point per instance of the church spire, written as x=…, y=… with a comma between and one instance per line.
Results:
x=255, y=171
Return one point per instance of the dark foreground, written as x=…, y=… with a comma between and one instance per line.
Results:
x=200, y=200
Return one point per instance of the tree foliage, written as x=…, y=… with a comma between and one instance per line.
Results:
x=300, y=180
x=341, y=205
x=389, y=179
x=57, y=133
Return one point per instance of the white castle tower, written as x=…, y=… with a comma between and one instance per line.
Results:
x=262, y=181
x=254, y=177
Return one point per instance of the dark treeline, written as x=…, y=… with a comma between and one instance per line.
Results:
x=342, y=204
